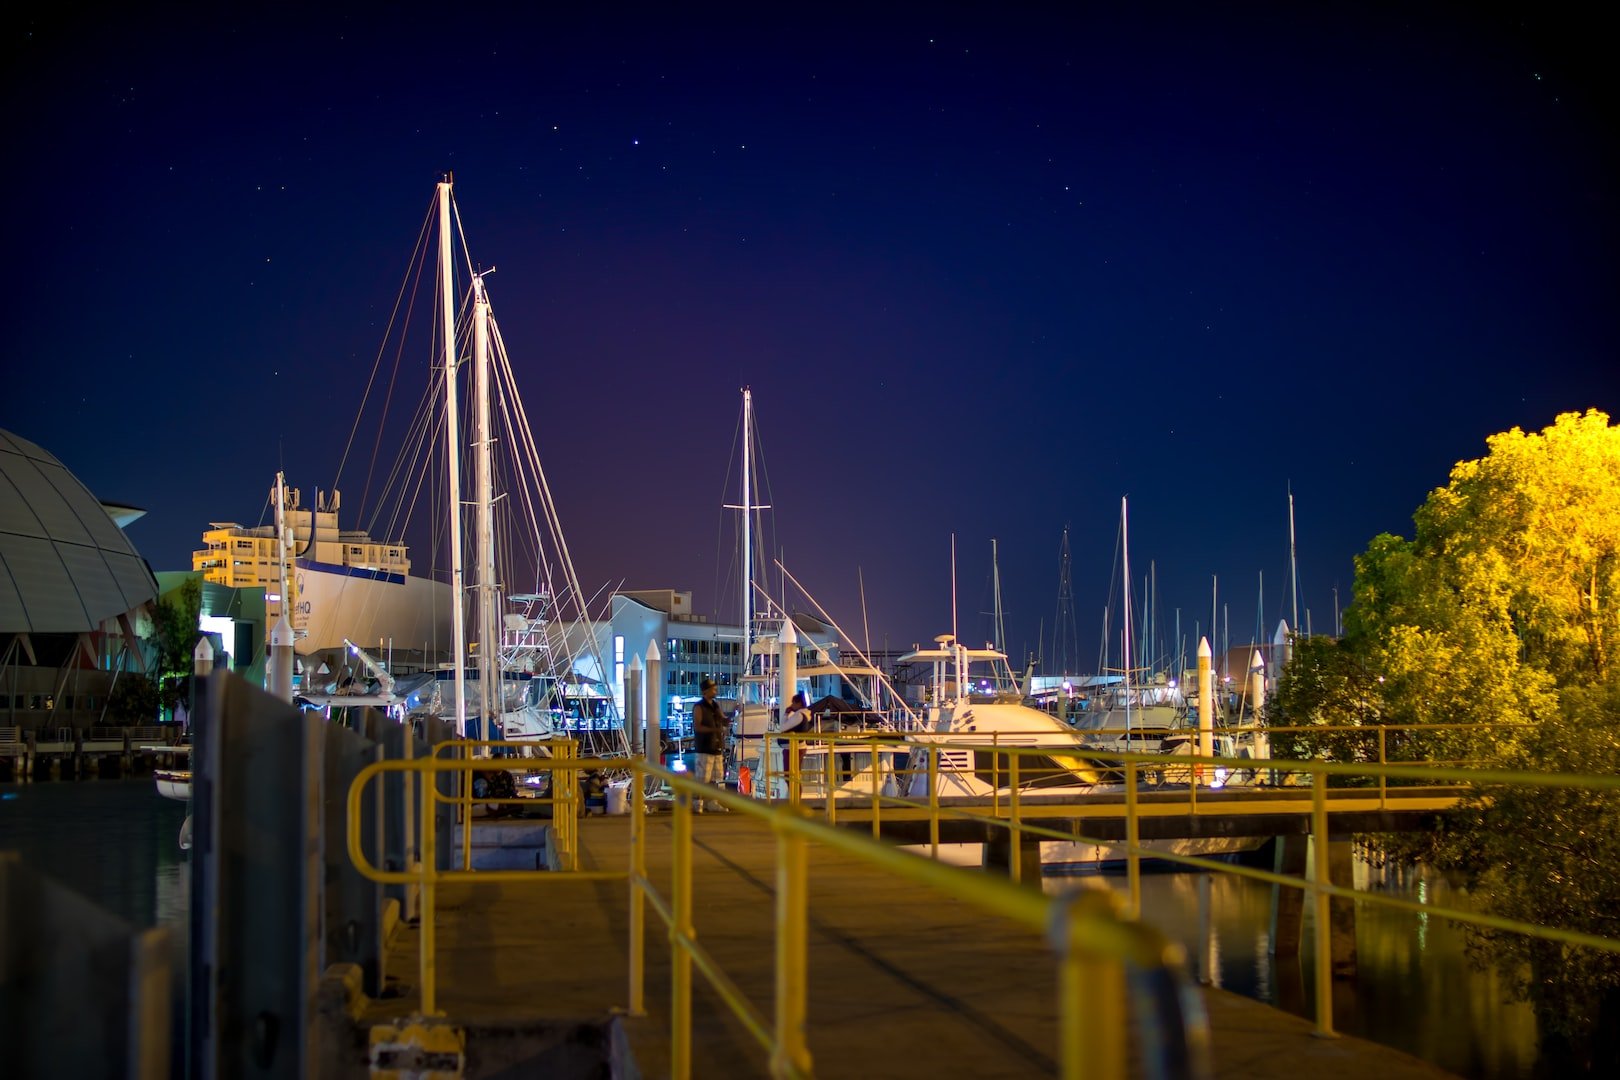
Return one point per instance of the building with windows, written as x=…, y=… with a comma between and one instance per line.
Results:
x=246, y=557
x=691, y=648
x=341, y=584
x=75, y=595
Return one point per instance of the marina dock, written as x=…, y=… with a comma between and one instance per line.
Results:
x=80, y=752
x=902, y=982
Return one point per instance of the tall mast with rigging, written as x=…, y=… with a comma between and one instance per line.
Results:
x=489, y=689
x=452, y=453
x=748, y=508
x=747, y=536
x=1125, y=547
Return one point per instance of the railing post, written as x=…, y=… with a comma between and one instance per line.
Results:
x=427, y=887
x=830, y=771
x=565, y=809
x=791, y=1056
x=1319, y=902
x=995, y=774
x=1093, y=994
x=877, y=812
x=638, y=873
x=1383, y=781
x=680, y=932
x=1133, y=857
x=933, y=802
x=1017, y=834
x=795, y=776
x=464, y=793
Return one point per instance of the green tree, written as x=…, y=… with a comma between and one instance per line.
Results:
x=1327, y=683
x=134, y=700
x=1501, y=614
x=174, y=621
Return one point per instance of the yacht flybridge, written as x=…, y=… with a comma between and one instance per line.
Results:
x=976, y=730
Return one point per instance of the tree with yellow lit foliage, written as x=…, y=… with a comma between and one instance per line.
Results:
x=1502, y=613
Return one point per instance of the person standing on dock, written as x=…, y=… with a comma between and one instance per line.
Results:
x=797, y=718
x=710, y=727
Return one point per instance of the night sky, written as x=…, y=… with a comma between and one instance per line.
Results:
x=985, y=273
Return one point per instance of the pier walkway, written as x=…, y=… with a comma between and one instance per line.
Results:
x=903, y=982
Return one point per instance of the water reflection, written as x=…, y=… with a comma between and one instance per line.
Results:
x=113, y=841
x=1415, y=989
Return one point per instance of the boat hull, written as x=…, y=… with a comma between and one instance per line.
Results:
x=173, y=784
x=335, y=604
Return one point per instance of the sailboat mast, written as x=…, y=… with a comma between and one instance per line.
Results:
x=281, y=542
x=452, y=454
x=747, y=538
x=273, y=675
x=1125, y=545
x=489, y=696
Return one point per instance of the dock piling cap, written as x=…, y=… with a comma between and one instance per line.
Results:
x=424, y=1047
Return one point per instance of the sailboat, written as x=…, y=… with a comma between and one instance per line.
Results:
x=1135, y=714
x=508, y=703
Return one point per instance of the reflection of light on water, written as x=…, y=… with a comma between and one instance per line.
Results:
x=1262, y=967
x=173, y=893
x=1423, y=916
x=1414, y=989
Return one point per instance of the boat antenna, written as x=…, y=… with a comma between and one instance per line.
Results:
x=866, y=627
x=953, y=587
x=1293, y=562
x=995, y=571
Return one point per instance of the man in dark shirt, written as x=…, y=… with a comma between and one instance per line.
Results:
x=797, y=718
x=710, y=727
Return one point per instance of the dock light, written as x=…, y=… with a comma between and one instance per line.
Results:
x=1220, y=778
x=677, y=765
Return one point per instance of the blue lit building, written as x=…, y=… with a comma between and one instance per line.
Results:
x=691, y=648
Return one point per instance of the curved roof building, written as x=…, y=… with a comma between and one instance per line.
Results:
x=65, y=565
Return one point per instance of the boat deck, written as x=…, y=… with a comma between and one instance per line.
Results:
x=902, y=982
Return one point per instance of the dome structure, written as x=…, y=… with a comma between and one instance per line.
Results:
x=65, y=566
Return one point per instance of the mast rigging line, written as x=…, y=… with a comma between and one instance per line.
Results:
x=528, y=454
x=865, y=659
x=416, y=261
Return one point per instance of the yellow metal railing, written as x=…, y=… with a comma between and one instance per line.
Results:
x=1011, y=812
x=562, y=791
x=1094, y=944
